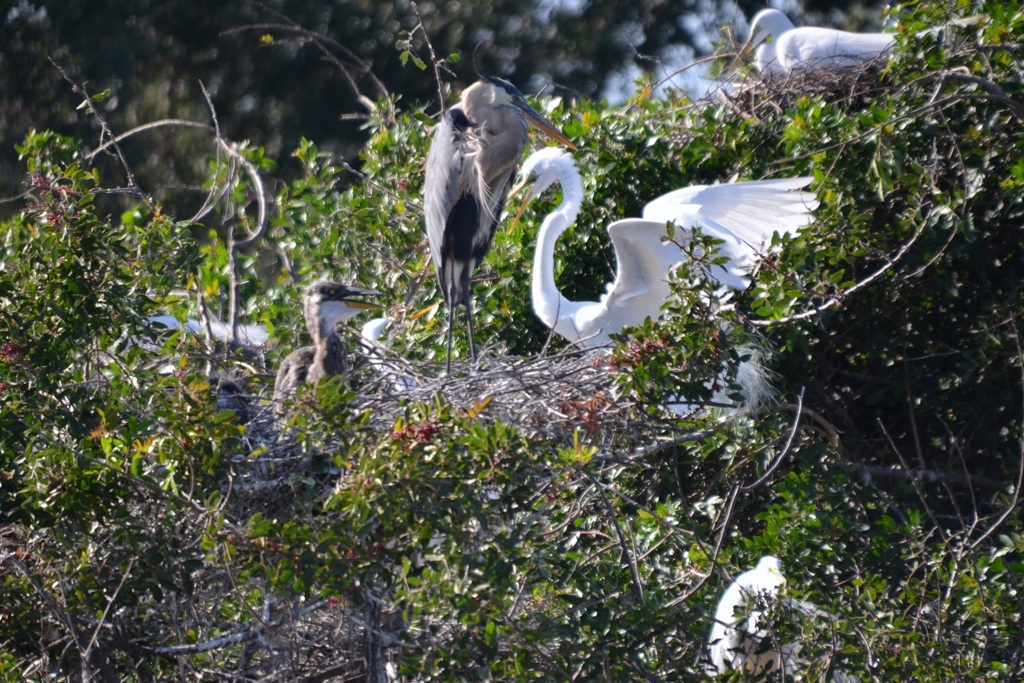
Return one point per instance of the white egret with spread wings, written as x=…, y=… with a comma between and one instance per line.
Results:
x=743, y=215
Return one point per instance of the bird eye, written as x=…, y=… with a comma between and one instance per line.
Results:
x=333, y=291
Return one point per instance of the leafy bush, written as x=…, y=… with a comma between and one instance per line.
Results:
x=151, y=534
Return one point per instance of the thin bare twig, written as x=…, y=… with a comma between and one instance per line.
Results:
x=836, y=300
x=914, y=482
x=89, y=654
x=108, y=133
x=785, y=448
x=638, y=588
x=1004, y=515
x=434, y=61
x=324, y=45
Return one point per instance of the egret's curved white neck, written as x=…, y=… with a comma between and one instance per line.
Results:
x=548, y=302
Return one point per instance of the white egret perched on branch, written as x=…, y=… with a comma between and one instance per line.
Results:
x=473, y=159
x=781, y=47
x=743, y=215
x=324, y=305
x=737, y=641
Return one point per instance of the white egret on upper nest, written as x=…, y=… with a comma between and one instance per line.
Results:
x=780, y=47
x=737, y=635
x=325, y=304
x=473, y=158
x=743, y=215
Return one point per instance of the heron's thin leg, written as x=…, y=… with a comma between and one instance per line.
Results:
x=469, y=322
x=451, y=324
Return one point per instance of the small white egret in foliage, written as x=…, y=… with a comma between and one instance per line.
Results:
x=738, y=636
x=781, y=47
x=473, y=159
x=251, y=337
x=376, y=354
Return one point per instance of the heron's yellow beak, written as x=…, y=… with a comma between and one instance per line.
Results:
x=544, y=126
x=747, y=48
x=362, y=304
x=756, y=39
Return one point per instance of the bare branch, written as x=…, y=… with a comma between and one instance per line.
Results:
x=839, y=298
x=1004, y=515
x=785, y=448
x=638, y=587
x=324, y=45
x=232, y=638
x=108, y=133
x=434, y=61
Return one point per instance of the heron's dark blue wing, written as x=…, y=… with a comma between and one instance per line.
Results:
x=452, y=209
x=441, y=187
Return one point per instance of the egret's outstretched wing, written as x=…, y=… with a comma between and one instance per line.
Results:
x=750, y=210
x=743, y=215
x=643, y=260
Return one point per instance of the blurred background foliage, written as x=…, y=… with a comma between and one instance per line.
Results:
x=512, y=551
x=281, y=70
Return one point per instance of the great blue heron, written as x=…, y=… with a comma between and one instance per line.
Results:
x=743, y=215
x=737, y=635
x=325, y=304
x=473, y=158
x=780, y=47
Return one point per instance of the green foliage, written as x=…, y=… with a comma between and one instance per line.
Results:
x=279, y=71
x=137, y=545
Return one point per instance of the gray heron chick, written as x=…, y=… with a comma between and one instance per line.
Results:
x=473, y=158
x=324, y=305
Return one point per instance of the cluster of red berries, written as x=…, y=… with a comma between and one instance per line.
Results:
x=421, y=433
x=10, y=351
x=639, y=350
x=52, y=211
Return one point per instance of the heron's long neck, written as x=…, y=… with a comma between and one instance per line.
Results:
x=329, y=358
x=548, y=302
